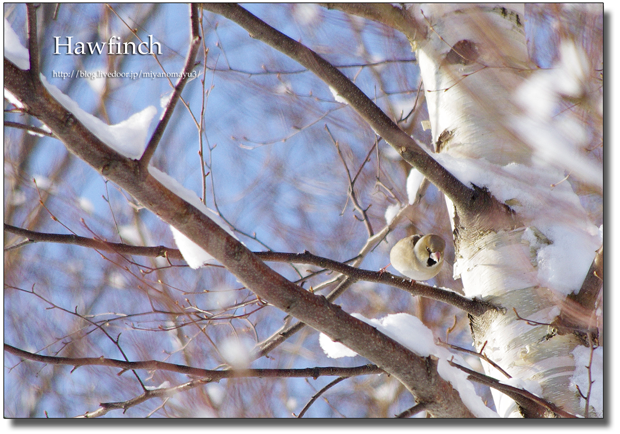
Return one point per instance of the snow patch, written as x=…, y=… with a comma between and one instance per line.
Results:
x=413, y=334
x=193, y=254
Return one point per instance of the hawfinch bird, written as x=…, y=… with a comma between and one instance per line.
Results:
x=418, y=257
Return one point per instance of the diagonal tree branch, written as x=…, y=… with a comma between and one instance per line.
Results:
x=194, y=45
x=532, y=405
x=470, y=202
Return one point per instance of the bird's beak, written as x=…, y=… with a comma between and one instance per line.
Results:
x=436, y=256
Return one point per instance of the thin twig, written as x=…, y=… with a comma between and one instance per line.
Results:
x=477, y=354
x=525, y=399
x=590, y=381
x=415, y=104
x=178, y=89
x=32, y=236
x=265, y=347
x=451, y=329
x=105, y=407
x=30, y=128
x=351, y=192
x=203, y=105
x=529, y=321
x=101, y=328
x=318, y=394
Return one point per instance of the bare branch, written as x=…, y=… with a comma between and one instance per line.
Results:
x=474, y=307
x=384, y=13
x=178, y=89
x=106, y=407
x=318, y=394
x=412, y=411
x=33, y=43
x=532, y=405
x=351, y=191
x=476, y=354
x=383, y=126
x=592, y=284
x=30, y=128
x=211, y=375
x=157, y=251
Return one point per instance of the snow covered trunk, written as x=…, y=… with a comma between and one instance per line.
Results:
x=472, y=61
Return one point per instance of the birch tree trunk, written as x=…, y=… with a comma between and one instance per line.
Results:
x=472, y=61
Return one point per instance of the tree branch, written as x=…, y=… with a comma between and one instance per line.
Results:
x=33, y=43
x=578, y=310
x=318, y=394
x=212, y=375
x=120, y=248
x=592, y=284
x=351, y=192
x=194, y=45
x=532, y=405
x=163, y=393
x=30, y=128
x=473, y=307
x=411, y=411
x=387, y=14
x=383, y=126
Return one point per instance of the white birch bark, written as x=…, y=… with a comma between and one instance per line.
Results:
x=473, y=60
